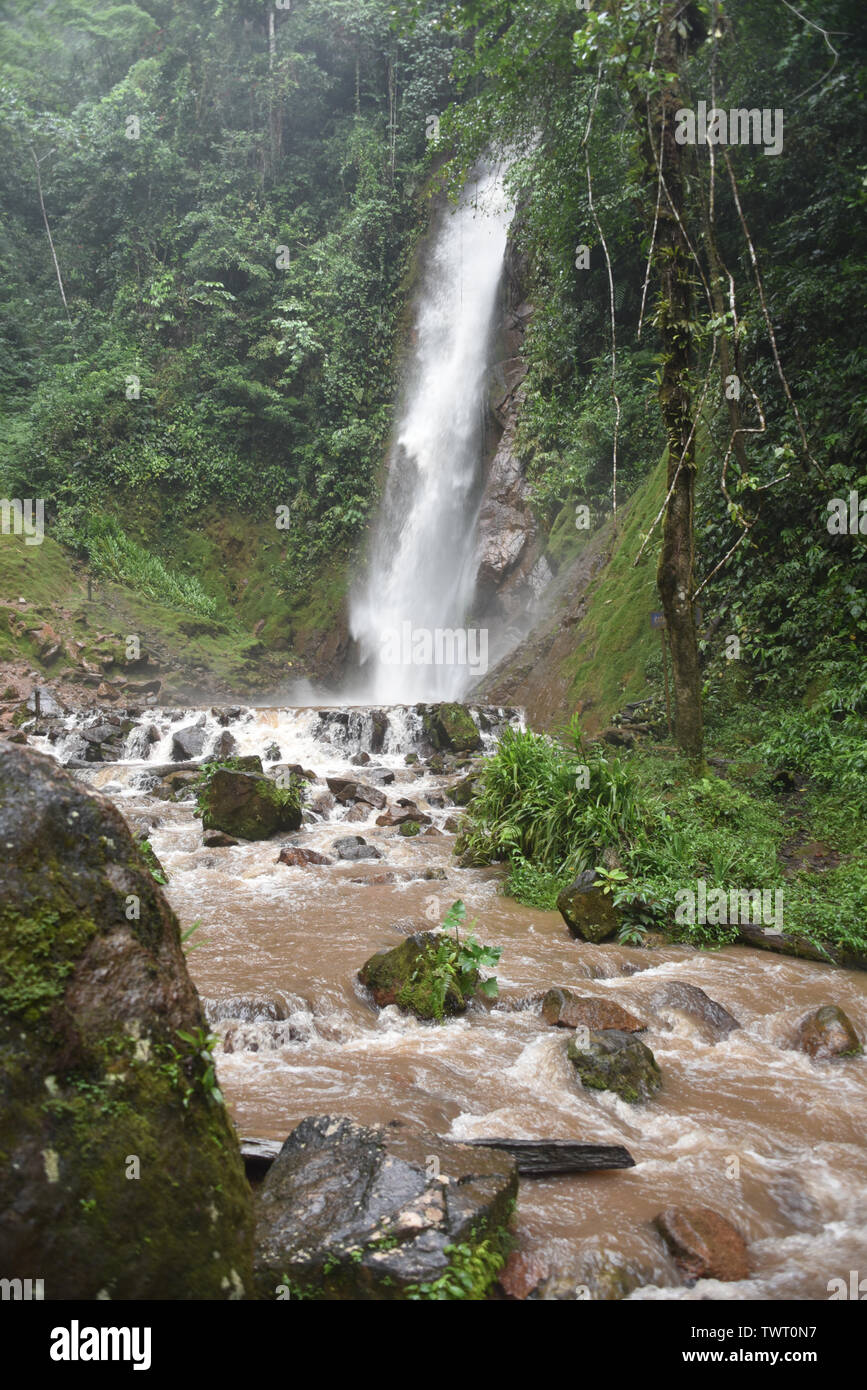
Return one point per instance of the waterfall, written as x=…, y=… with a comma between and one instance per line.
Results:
x=409, y=615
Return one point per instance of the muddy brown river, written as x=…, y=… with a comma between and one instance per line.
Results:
x=747, y=1125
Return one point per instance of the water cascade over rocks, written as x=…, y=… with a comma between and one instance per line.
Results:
x=410, y=615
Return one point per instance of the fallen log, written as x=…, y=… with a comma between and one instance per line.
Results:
x=534, y=1157
x=540, y=1157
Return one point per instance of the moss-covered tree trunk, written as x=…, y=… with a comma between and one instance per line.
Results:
x=675, y=322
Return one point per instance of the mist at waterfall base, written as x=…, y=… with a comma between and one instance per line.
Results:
x=421, y=575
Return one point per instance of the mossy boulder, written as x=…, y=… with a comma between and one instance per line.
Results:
x=249, y=805
x=451, y=728
x=120, y=1174
x=461, y=793
x=408, y=828
x=407, y=975
x=587, y=911
x=352, y=1211
x=614, y=1060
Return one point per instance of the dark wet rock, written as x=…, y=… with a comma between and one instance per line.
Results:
x=360, y=759
x=452, y=825
x=400, y=814
x=174, y=784
x=218, y=839
x=228, y=714
x=251, y=1008
x=224, y=745
x=248, y=805
x=272, y=753
x=378, y=730
x=680, y=998
x=323, y=804
x=704, y=1244
x=359, y=812
x=462, y=792
x=355, y=847
x=299, y=857
x=450, y=727
x=379, y=776
x=614, y=1060
x=346, y=790
x=587, y=911
x=828, y=1032
x=189, y=742
x=92, y=1002
x=568, y=1010
x=405, y=975
x=351, y=1211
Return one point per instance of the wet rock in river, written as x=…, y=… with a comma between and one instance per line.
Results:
x=568, y=1010
x=616, y=1061
x=189, y=742
x=451, y=728
x=92, y=1005
x=351, y=1211
x=704, y=1244
x=298, y=857
x=218, y=839
x=248, y=805
x=677, y=997
x=224, y=745
x=355, y=847
x=586, y=910
x=828, y=1032
x=524, y=1272
x=347, y=790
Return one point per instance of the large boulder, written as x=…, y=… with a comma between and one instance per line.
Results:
x=676, y=999
x=568, y=1010
x=828, y=1032
x=248, y=804
x=406, y=975
x=587, y=911
x=363, y=1212
x=616, y=1061
x=120, y=1175
x=189, y=742
x=451, y=728
x=704, y=1244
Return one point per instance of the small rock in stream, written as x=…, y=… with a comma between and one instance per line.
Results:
x=355, y=847
x=568, y=1010
x=704, y=1244
x=677, y=997
x=828, y=1032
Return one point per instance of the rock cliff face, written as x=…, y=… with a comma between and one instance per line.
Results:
x=511, y=570
x=120, y=1173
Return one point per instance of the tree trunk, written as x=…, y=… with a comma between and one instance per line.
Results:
x=672, y=263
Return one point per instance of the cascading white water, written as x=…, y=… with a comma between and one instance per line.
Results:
x=422, y=571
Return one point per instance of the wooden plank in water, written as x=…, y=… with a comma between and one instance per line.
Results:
x=540, y=1157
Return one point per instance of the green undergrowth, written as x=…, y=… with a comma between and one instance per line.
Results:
x=551, y=809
